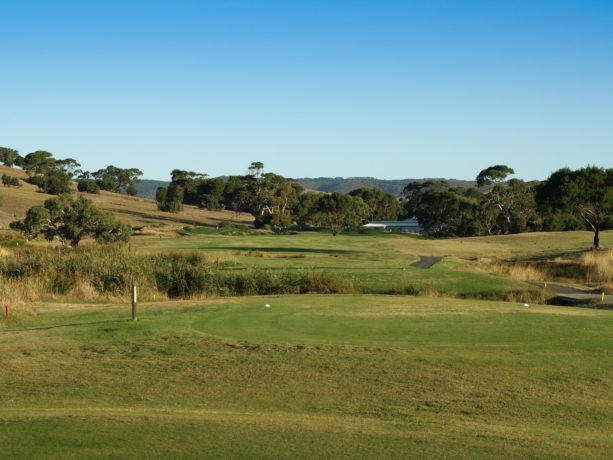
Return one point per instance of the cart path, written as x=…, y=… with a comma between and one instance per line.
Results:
x=426, y=261
x=573, y=295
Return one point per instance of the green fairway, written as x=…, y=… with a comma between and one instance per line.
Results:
x=309, y=377
x=380, y=263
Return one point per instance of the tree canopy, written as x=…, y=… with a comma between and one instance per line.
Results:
x=69, y=221
x=114, y=179
x=49, y=174
x=10, y=157
x=587, y=192
x=443, y=210
x=505, y=206
x=338, y=212
x=381, y=205
x=170, y=199
x=493, y=174
x=39, y=162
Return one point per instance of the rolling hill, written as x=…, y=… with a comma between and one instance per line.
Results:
x=134, y=211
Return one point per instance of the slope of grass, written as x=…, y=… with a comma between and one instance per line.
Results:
x=311, y=376
x=134, y=211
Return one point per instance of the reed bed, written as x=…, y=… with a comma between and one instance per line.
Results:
x=107, y=273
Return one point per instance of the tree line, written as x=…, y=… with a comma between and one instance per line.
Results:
x=568, y=200
x=275, y=201
x=55, y=176
x=497, y=205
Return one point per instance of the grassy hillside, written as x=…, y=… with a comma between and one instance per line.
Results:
x=309, y=377
x=135, y=211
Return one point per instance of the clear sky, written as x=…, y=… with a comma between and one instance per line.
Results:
x=391, y=89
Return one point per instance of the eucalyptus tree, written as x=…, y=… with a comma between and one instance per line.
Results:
x=586, y=192
x=338, y=212
x=9, y=157
x=381, y=205
x=69, y=221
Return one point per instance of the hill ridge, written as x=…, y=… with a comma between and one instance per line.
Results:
x=147, y=187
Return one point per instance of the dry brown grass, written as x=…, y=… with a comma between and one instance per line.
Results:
x=598, y=266
x=519, y=272
x=134, y=211
x=21, y=292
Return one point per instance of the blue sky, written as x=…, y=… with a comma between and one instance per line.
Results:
x=392, y=89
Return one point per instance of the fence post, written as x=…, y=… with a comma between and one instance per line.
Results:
x=134, y=302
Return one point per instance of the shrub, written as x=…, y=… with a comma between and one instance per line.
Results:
x=9, y=181
x=88, y=186
x=54, y=182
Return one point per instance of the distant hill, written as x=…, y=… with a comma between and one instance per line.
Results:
x=147, y=188
x=346, y=185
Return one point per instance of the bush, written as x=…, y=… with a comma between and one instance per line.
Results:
x=88, y=186
x=9, y=181
x=54, y=182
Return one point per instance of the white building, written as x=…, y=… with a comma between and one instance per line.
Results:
x=409, y=225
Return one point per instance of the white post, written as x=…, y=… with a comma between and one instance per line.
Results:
x=134, y=302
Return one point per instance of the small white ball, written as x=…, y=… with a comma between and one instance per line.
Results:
x=267, y=306
x=526, y=305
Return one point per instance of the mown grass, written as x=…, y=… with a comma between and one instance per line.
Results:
x=309, y=377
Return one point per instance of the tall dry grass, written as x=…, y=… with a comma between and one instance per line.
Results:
x=519, y=271
x=107, y=273
x=598, y=266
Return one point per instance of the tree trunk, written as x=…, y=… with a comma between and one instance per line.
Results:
x=597, y=238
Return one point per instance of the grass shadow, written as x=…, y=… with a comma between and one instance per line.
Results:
x=59, y=326
x=286, y=249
